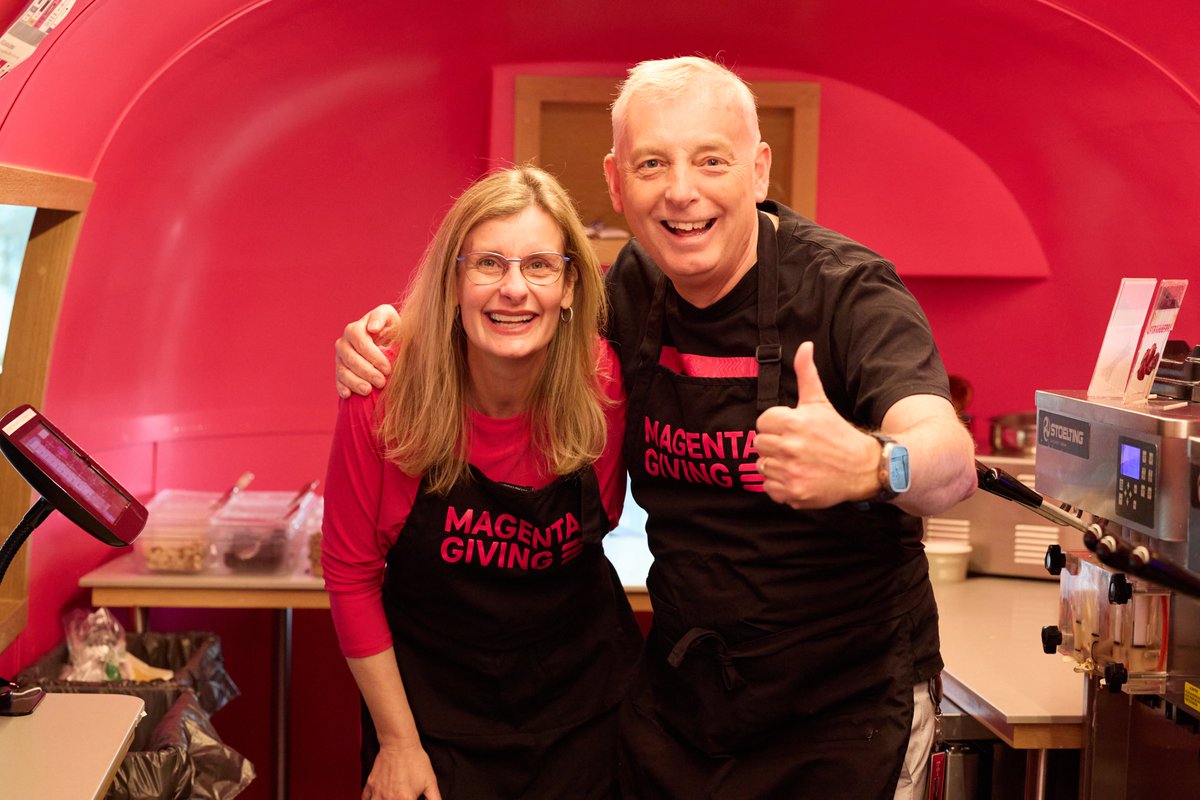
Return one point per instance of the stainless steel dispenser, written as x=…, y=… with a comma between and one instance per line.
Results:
x=1129, y=477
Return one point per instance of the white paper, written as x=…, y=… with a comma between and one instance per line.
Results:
x=30, y=28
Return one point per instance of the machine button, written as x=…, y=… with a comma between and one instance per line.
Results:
x=1051, y=638
x=1115, y=676
x=1119, y=590
x=1056, y=559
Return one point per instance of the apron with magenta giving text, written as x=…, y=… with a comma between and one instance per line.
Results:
x=513, y=636
x=758, y=680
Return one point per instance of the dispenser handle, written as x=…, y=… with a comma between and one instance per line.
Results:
x=999, y=482
x=1002, y=484
x=1112, y=550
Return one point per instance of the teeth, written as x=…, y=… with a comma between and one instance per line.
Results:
x=688, y=226
x=506, y=319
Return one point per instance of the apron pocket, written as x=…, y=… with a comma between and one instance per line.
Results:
x=840, y=686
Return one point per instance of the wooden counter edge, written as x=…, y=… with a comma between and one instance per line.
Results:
x=1021, y=736
x=147, y=597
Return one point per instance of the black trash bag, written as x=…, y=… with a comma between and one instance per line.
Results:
x=183, y=759
x=194, y=657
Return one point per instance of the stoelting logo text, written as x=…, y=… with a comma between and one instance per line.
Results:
x=1063, y=433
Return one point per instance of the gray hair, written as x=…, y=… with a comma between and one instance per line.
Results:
x=670, y=78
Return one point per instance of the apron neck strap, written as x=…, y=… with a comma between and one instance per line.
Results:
x=768, y=354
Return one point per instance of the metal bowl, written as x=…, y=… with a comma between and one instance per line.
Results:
x=1015, y=433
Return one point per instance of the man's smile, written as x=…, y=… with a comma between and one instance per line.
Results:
x=688, y=228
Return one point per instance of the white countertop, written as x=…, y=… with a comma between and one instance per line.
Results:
x=69, y=747
x=124, y=571
x=995, y=667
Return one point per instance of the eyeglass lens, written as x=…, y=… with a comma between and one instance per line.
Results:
x=538, y=268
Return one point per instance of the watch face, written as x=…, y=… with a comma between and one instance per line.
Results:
x=899, y=468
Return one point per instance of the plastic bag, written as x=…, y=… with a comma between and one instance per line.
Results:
x=183, y=758
x=95, y=646
x=97, y=651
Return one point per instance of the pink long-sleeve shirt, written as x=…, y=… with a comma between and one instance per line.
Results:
x=367, y=500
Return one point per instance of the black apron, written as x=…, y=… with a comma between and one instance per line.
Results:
x=757, y=680
x=514, y=639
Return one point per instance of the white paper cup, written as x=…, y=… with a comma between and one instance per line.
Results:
x=947, y=560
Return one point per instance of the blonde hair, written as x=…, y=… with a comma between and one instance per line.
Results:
x=672, y=78
x=423, y=423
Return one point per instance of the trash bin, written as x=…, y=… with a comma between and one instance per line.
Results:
x=175, y=752
x=180, y=757
x=195, y=658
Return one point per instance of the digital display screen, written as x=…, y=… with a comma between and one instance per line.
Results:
x=72, y=472
x=1131, y=461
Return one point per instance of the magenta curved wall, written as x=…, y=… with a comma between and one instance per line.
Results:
x=267, y=170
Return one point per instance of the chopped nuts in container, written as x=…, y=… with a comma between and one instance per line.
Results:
x=176, y=537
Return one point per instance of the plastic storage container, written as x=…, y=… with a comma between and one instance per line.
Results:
x=257, y=532
x=310, y=532
x=176, y=538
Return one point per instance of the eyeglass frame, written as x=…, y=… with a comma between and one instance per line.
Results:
x=519, y=262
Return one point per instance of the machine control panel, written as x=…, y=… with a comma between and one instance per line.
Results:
x=1136, y=480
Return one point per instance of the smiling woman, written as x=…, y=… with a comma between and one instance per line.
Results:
x=510, y=317
x=464, y=551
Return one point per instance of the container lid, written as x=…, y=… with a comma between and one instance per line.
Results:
x=181, y=507
x=311, y=513
x=273, y=507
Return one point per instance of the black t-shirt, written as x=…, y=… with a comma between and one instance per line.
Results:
x=872, y=347
x=872, y=343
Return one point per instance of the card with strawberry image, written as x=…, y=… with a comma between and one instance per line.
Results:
x=1137, y=332
x=1167, y=299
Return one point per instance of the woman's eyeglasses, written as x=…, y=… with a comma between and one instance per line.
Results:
x=540, y=269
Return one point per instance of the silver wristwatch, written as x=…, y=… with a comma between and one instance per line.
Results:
x=894, y=476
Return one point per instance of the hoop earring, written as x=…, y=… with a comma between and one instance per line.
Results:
x=567, y=314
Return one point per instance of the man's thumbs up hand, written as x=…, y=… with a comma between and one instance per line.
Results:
x=807, y=380
x=809, y=456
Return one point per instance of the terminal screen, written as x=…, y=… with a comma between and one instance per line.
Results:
x=72, y=472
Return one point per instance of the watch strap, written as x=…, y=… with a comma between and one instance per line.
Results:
x=887, y=491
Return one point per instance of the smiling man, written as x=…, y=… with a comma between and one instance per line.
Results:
x=795, y=632
x=788, y=424
x=688, y=190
